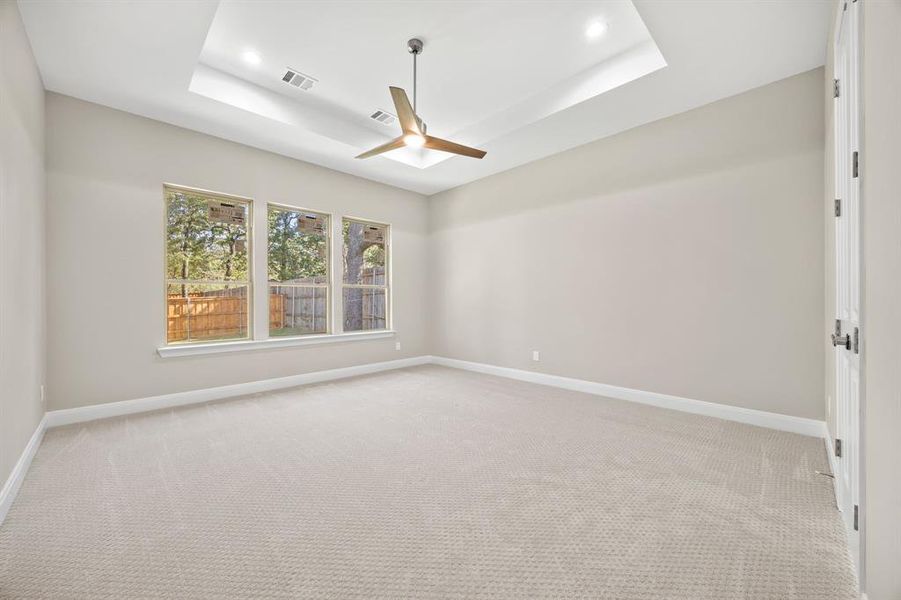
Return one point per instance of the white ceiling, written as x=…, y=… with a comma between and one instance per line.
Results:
x=475, y=84
x=518, y=79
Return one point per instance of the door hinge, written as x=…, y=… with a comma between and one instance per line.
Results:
x=838, y=448
x=835, y=93
x=838, y=339
x=855, y=344
x=856, y=518
x=838, y=207
x=854, y=168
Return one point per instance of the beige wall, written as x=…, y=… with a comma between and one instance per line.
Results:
x=682, y=257
x=105, y=171
x=881, y=196
x=21, y=240
x=693, y=244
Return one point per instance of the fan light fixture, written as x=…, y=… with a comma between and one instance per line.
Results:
x=412, y=127
x=413, y=140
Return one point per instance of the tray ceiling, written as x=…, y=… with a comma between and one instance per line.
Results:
x=522, y=80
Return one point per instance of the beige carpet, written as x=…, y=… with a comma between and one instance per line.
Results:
x=424, y=483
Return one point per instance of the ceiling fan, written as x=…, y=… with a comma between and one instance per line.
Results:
x=413, y=128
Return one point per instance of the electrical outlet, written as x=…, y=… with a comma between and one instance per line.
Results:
x=536, y=356
x=397, y=345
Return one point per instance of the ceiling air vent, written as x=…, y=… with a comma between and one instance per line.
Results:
x=385, y=118
x=299, y=80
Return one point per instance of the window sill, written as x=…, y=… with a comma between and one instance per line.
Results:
x=288, y=342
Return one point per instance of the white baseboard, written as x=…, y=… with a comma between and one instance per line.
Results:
x=810, y=427
x=56, y=418
x=17, y=476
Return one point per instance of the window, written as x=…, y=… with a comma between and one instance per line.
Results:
x=207, y=266
x=298, y=259
x=307, y=297
x=365, y=289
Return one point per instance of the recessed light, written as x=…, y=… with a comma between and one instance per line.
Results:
x=252, y=57
x=595, y=30
x=413, y=140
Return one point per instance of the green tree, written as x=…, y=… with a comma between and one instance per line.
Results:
x=187, y=236
x=295, y=256
x=231, y=250
x=198, y=248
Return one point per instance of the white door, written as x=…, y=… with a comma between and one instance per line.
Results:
x=846, y=337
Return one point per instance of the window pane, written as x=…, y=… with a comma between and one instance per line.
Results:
x=298, y=246
x=364, y=253
x=206, y=312
x=295, y=310
x=206, y=237
x=365, y=308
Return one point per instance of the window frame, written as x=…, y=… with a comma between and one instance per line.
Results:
x=389, y=271
x=329, y=273
x=257, y=334
x=213, y=195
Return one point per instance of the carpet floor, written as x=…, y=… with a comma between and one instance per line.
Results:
x=425, y=482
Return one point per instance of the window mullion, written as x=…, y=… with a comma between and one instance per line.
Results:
x=337, y=274
x=259, y=272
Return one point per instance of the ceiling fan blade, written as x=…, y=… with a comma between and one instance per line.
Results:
x=409, y=122
x=452, y=147
x=392, y=145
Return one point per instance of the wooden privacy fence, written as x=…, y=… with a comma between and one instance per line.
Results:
x=303, y=310
x=293, y=310
x=200, y=317
x=366, y=308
